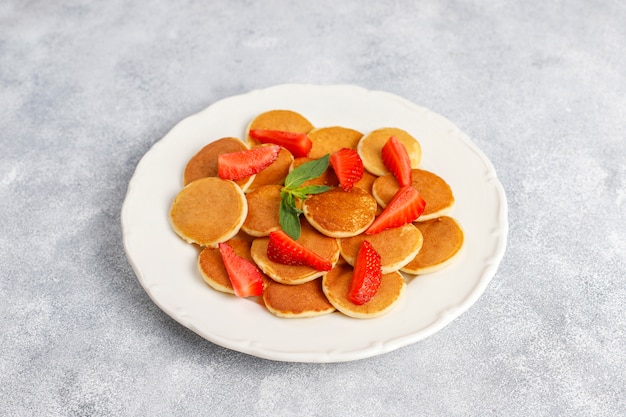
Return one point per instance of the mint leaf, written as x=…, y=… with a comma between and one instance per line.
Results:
x=298, y=194
x=306, y=171
x=291, y=199
x=289, y=215
x=313, y=189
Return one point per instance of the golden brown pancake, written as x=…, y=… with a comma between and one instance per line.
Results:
x=366, y=182
x=370, y=147
x=433, y=189
x=275, y=173
x=208, y=211
x=336, y=285
x=204, y=163
x=304, y=300
x=212, y=267
x=263, y=211
x=327, y=140
x=327, y=178
x=396, y=247
x=325, y=246
x=244, y=236
x=339, y=213
x=443, y=240
x=283, y=120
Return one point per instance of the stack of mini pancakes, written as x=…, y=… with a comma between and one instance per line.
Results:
x=209, y=210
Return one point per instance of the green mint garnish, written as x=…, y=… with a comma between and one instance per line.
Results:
x=307, y=171
x=294, y=190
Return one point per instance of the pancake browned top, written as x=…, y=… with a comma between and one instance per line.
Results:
x=433, y=189
x=396, y=247
x=283, y=120
x=208, y=211
x=327, y=140
x=212, y=267
x=339, y=213
x=304, y=300
x=443, y=240
x=263, y=211
x=371, y=145
x=324, y=246
x=336, y=285
x=204, y=162
x=275, y=173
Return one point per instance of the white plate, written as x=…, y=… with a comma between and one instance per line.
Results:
x=166, y=266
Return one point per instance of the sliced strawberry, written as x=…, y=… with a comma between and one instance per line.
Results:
x=405, y=207
x=245, y=277
x=284, y=250
x=396, y=159
x=298, y=144
x=366, y=276
x=237, y=165
x=348, y=167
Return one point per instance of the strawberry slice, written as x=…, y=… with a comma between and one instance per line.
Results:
x=396, y=159
x=366, y=276
x=237, y=165
x=245, y=277
x=348, y=167
x=284, y=250
x=405, y=207
x=298, y=144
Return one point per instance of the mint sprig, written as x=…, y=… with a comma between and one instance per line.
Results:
x=289, y=214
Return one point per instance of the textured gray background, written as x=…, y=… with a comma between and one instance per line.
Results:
x=87, y=87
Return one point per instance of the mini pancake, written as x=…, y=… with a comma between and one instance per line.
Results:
x=433, y=189
x=336, y=285
x=396, y=247
x=304, y=300
x=327, y=178
x=275, y=173
x=325, y=246
x=212, y=267
x=283, y=120
x=443, y=240
x=366, y=182
x=208, y=211
x=327, y=140
x=370, y=146
x=204, y=162
x=263, y=211
x=339, y=213
x=244, y=236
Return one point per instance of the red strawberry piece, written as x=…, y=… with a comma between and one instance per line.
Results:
x=237, y=165
x=245, y=277
x=396, y=159
x=348, y=167
x=298, y=144
x=366, y=276
x=284, y=250
x=405, y=207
